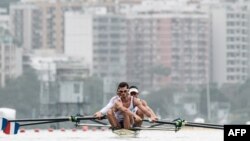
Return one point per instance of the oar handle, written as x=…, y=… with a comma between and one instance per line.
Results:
x=90, y=118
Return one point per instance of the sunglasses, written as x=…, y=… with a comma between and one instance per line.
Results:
x=125, y=91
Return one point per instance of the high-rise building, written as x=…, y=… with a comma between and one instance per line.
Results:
x=169, y=44
x=109, y=49
x=39, y=25
x=24, y=26
x=190, y=50
x=148, y=49
x=10, y=58
x=230, y=42
x=100, y=39
x=78, y=37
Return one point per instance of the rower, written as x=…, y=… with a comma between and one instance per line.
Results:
x=107, y=110
x=133, y=91
x=127, y=119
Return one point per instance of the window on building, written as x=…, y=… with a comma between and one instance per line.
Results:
x=230, y=69
x=243, y=77
x=243, y=16
x=76, y=88
x=230, y=77
x=244, y=31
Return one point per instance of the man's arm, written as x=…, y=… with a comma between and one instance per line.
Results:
x=105, y=109
x=145, y=111
x=144, y=103
x=120, y=107
x=138, y=103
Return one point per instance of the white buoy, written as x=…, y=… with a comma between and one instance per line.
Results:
x=8, y=113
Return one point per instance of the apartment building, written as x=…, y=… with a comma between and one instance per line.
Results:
x=39, y=25
x=23, y=26
x=109, y=49
x=190, y=54
x=175, y=39
x=101, y=41
x=10, y=58
x=148, y=49
x=230, y=42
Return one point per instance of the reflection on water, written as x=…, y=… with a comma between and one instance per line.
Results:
x=194, y=134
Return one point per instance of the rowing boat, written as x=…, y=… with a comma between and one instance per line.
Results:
x=126, y=132
x=132, y=132
x=12, y=126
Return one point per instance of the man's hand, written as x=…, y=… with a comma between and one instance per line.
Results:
x=153, y=118
x=137, y=118
x=98, y=115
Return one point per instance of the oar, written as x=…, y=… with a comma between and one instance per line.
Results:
x=155, y=125
x=155, y=128
x=134, y=128
x=205, y=124
x=12, y=126
x=71, y=118
x=189, y=124
x=92, y=125
x=96, y=121
x=41, y=122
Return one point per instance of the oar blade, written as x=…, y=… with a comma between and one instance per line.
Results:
x=3, y=123
x=11, y=128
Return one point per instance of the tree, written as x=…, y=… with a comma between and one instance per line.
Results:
x=22, y=94
x=238, y=96
x=94, y=91
x=216, y=95
x=240, y=102
x=244, y=97
x=161, y=100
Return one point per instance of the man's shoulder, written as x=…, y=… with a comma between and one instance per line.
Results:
x=136, y=99
x=116, y=98
x=141, y=101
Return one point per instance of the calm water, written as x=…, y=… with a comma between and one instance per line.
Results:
x=193, y=134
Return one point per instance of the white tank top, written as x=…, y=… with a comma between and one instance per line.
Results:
x=111, y=103
x=119, y=114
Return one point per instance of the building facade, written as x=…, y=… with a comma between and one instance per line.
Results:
x=10, y=58
x=109, y=49
x=230, y=44
x=39, y=25
x=169, y=48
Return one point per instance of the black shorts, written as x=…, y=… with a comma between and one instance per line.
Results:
x=121, y=123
